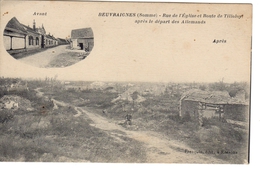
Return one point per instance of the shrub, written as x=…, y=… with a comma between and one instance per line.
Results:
x=202, y=87
x=6, y=115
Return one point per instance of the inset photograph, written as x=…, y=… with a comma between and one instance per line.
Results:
x=37, y=46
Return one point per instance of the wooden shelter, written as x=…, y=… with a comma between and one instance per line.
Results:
x=197, y=104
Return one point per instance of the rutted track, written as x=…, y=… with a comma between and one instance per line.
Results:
x=159, y=149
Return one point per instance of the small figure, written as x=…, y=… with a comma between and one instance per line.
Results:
x=128, y=119
x=104, y=111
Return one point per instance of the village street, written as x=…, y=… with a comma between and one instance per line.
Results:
x=54, y=57
x=42, y=59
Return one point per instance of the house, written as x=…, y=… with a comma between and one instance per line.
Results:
x=20, y=38
x=15, y=36
x=82, y=39
x=33, y=38
x=62, y=41
x=196, y=104
x=42, y=31
x=50, y=40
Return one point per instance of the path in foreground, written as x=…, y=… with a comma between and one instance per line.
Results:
x=42, y=59
x=159, y=149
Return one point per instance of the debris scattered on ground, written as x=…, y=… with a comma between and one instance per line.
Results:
x=15, y=102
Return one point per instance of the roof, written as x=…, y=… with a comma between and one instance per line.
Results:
x=29, y=29
x=51, y=37
x=212, y=97
x=62, y=40
x=15, y=26
x=41, y=30
x=82, y=33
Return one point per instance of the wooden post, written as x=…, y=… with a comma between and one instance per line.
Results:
x=11, y=46
x=200, y=114
x=219, y=114
x=24, y=41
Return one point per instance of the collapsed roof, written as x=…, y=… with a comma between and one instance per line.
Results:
x=213, y=97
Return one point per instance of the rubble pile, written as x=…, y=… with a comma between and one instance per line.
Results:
x=15, y=102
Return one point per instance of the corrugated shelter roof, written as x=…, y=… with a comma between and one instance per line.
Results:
x=212, y=97
x=82, y=33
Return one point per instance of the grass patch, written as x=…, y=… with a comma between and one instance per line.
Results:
x=215, y=136
x=67, y=59
x=58, y=136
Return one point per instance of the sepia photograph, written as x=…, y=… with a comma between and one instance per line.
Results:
x=33, y=45
x=164, y=83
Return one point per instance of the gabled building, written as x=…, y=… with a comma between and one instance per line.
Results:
x=50, y=40
x=82, y=39
x=42, y=31
x=33, y=37
x=196, y=104
x=15, y=36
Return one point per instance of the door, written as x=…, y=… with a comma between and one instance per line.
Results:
x=81, y=46
x=42, y=42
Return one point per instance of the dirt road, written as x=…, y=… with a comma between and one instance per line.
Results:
x=42, y=59
x=159, y=148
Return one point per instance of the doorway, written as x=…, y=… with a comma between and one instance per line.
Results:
x=42, y=42
x=81, y=46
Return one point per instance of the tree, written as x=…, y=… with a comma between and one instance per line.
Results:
x=233, y=92
x=134, y=97
x=202, y=87
x=218, y=86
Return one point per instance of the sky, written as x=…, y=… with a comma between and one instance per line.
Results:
x=126, y=51
x=61, y=27
x=254, y=136
x=49, y=28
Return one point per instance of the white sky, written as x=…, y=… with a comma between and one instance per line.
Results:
x=125, y=51
x=255, y=119
x=60, y=28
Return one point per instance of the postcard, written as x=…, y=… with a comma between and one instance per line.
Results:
x=125, y=82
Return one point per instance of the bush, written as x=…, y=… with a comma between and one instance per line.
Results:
x=176, y=118
x=6, y=115
x=202, y=87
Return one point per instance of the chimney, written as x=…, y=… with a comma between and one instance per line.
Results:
x=34, y=25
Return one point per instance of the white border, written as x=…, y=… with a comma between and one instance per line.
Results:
x=255, y=113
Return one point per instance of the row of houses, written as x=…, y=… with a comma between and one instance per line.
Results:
x=19, y=37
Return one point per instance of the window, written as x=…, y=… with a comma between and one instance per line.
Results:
x=37, y=41
x=30, y=40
